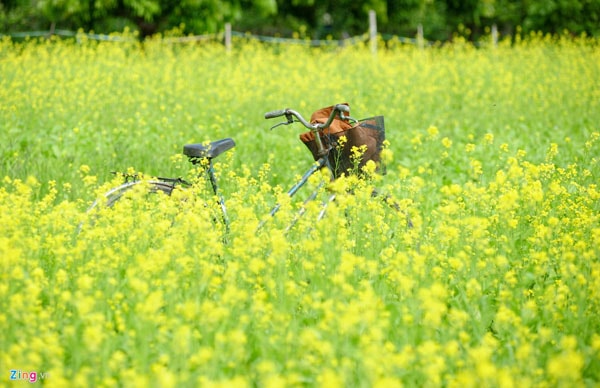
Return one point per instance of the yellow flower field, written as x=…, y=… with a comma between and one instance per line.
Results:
x=488, y=274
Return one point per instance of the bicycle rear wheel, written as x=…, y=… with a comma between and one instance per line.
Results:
x=137, y=190
x=115, y=194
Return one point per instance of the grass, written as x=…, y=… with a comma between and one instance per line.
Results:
x=493, y=154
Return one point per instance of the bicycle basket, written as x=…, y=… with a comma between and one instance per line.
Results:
x=368, y=133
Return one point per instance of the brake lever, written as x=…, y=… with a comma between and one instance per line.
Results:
x=290, y=120
x=347, y=117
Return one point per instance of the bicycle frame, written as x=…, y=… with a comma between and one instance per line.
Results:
x=319, y=164
x=215, y=187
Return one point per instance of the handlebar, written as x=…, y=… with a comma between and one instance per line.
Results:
x=275, y=113
x=340, y=109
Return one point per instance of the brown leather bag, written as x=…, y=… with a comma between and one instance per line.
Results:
x=367, y=132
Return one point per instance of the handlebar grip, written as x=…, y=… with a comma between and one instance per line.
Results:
x=275, y=113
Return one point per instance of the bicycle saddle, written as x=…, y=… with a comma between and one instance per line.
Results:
x=208, y=150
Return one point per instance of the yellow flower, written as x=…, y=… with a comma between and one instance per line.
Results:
x=476, y=168
x=93, y=336
x=508, y=201
x=566, y=366
x=552, y=152
x=84, y=169
x=330, y=378
x=446, y=142
x=473, y=289
x=433, y=132
x=433, y=303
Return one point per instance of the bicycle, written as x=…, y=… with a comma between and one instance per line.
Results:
x=338, y=142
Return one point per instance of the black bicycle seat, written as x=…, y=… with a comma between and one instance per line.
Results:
x=208, y=150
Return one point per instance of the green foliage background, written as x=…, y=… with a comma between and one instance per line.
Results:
x=316, y=19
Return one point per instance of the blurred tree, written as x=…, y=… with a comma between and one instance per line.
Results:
x=555, y=16
x=18, y=15
x=149, y=16
x=405, y=15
